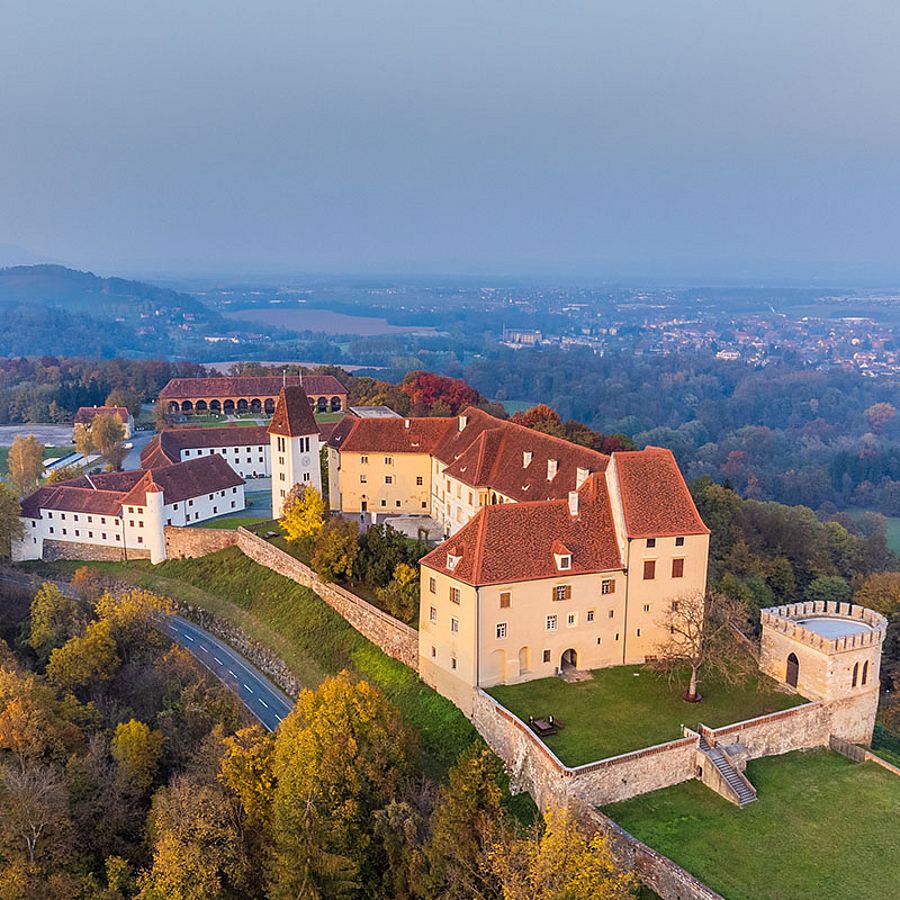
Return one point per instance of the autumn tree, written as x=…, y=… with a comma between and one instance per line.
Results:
x=466, y=823
x=11, y=526
x=336, y=549
x=303, y=513
x=136, y=748
x=86, y=660
x=108, y=436
x=131, y=400
x=879, y=415
x=89, y=582
x=431, y=394
x=84, y=442
x=401, y=596
x=54, y=619
x=540, y=418
x=63, y=473
x=339, y=756
x=246, y=768
x=561, y=862
x=880, y=592
x=25, y=463
x=132, y=617
x=700, y=638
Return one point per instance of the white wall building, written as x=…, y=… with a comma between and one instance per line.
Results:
x=294, y=446
x=245, y=448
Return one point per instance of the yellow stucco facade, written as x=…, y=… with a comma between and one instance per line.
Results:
x=398, y=483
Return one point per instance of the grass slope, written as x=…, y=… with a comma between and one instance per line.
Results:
x=308, y=635
x=625, y=708
x=823, y=827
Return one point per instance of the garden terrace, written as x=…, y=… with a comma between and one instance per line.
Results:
x=823, y=826
x=626, y=708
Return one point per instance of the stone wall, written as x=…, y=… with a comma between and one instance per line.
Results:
x=188, y=543
x=393, y=636
x=76, y=550
x=800, y=728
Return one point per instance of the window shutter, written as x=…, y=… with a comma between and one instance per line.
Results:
x=568, y=592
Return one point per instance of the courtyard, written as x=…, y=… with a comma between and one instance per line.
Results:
x=822, y=827
x=625, y=708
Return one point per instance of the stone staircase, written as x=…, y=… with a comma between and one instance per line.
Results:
x=737, y=781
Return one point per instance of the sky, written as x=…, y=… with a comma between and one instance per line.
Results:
x=693, y=139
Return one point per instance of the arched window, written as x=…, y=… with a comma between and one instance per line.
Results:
x=855, y=674
x=865, y=677
x=793, y=669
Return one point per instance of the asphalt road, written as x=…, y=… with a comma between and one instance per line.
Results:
x=256, y=692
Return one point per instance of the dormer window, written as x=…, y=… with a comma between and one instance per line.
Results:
x=564, y=562
x=527, y=456
x=552, y=466
x=452, y=561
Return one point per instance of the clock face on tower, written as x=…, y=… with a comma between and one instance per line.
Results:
x=305, y=461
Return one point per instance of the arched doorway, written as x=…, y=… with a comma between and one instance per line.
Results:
x=793, y=669
x=187, y=407
x=242, y=406
x=524, y=660
x=228, y=407
x=174, y=407
x=569, y=661
x=201, y=406
x=256, y=407
x=322, y=404
x=215, y=406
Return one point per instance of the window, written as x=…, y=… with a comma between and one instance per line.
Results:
x=131, y=523
x=90, y=519
x=433, y=652
x=505, y=598
x=865, y=675
x=678, y=568
x=364, y=460
x=432, y=585
x=103, y=518
x=546, y=656
x=77, y=533
x=454, y=625
x=388, y=460
x=91, y=535
x=674, y=606
x=565, y=562
x=651, y=543
x=572, y=619
x=639, y=632
x=552, y=623
x=420, y=480
x=384, y=502
x=103, y=536
x=855, y=674
x=646, y=607
x=590, y=615
x=397, y=503
x=452, y=662
x=131, y=509
x=501, y=630
x=612, y=613
x=388, y=479
x=140, y=539
x=362, y=479
x=51, y=529
x=649, y=569
x=562, y=592
x=75, y=517
x=679, y=542
x=432, y=615
x=454, y=595
x=608, y=586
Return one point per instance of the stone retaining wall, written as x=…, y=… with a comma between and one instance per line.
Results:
x=76, y=550
x=394, y=637
x=188, y=543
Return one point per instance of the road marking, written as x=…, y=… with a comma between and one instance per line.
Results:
x=189, y=637
x=204, y=649
x=219, y=661
x=247, y=687
x=232, y=674
x=266, y=705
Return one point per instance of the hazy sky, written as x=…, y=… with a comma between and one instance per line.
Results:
x=715, y=137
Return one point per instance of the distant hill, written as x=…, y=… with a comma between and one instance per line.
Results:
x=73, y=291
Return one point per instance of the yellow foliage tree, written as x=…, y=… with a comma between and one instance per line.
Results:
x=303, y=513
x=25, y=463
x=11, y=527
x=136, y=748
x=132, y=616
x=246, y=770
x=86, y=659
x=562, y=862
x=108, y=436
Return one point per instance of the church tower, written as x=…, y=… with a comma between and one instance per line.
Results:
x=294, y=442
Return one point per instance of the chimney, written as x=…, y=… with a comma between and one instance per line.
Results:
x=463, y=421
x=406, y=423
x=581, y=476
x=573, y=503
x=527, y=456
x=552, y=465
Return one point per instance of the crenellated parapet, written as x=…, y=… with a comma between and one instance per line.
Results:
x=789, y=620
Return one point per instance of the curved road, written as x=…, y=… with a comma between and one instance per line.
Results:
x=256, y=692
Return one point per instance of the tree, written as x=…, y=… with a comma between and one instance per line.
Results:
x=132, y=617
x=381, y=549
x=401, y=596
x=561, y=862
x=25, y=463
x=465, y=824
x=11, y=526
x=85, y=660
x=303, y=513
x=426, y=391
x=337, y=546
x=880, y=592
x=108, y=436
x=84, y=442
x=63, y=473
x=54, y=619
x=540, y=418
x=246, y=768
x=136, y=749
x=339, y=757
x=879, y=415
x=131, y=400
x=701, y=638
x=829, y=588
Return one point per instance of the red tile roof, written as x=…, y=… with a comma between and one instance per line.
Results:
x=516, y=541
x=655, y=499
x=184, y=480
x=490, y=452
x=86, y=414
x=248, y=387
x=390, y=435
x=293, y=414
x=165, y=448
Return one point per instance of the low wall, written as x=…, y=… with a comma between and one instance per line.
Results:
x=188, y=543
x=798, y=728
x=393, y=636
x=75, y=550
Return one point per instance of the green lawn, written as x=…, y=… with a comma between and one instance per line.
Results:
x=308, y=635
x=232, y=522
x=823, y=827
x=886, y=745
x=330, y=416
x=625, y=708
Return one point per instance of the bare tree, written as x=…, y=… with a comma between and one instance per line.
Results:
x=700, y=636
